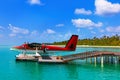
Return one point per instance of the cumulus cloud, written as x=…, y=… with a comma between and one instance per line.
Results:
x=1, y=35
x=113, y=29
x=82, y=23
x=68, y=34
x=82, y=11
x=34, y=2
x=12, y=34
x=59, y=25
x=102, y=30
x=1, y=28
x=35, y=32
x=93, y=32
x=50, y=31
x=17, y=30
x=103, y=7
x=64, y=36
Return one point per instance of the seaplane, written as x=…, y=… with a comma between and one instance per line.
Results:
x=44, y=48
x=43, y=51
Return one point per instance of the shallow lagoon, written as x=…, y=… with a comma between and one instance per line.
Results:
x=75, y=70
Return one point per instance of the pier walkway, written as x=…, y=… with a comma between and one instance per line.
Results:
x=89, y=54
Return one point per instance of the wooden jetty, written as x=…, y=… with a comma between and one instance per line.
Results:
x=90, y=54
x=93, y=56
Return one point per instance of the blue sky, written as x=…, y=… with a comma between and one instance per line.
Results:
x=56, y=20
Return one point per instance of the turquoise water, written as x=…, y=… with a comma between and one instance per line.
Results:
x=76, y=70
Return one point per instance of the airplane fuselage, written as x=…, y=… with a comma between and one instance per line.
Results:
x=70, y=46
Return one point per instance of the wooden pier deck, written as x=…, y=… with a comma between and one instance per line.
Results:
x=95, y=56
x=89, y=54
x=92, y=56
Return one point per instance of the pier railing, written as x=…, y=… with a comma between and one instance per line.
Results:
x=89, y=54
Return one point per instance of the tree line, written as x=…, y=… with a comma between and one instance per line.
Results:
x=103, y=41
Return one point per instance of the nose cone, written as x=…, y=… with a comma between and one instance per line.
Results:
x=18, y=47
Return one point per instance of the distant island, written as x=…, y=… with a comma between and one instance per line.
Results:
x=103, y=41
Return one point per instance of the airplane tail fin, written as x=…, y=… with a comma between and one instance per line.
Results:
x=71, y=45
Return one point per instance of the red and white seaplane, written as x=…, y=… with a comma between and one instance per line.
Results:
x=42, y=48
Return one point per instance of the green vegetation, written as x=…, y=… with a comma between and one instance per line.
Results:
x=103, y=41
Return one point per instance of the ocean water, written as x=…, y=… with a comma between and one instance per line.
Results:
x=75, y=70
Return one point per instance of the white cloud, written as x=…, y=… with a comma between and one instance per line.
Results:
x=82, y=11
x=102, y=30
x=33, y=2
x=1, y=35
x=50, y=31
x=68, y=34
x=113, y=29
x=12, y=35
x=82, y=23
x=103, y=7
x=34, y=32
x=1, y=28
x=93, y=32
x=17, y=30
x=59, y=25
x=65, y=36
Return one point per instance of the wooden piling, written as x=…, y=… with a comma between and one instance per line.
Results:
x=86, y=60
x=115, y=61
x=95, y=60
x=90, y=60
x=102, y=61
